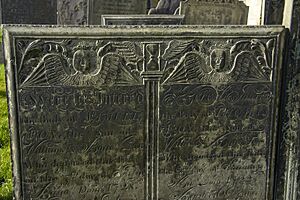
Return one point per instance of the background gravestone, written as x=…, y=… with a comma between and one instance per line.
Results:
x=72, y=12
x=28, y=11
x=166, y=7
x=289, y=165
x=231, y=12
x=273, y=12
x=125, y=7
x=142, y=19
x=89, y=11
x=144, y=113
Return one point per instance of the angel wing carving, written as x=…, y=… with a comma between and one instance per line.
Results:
x=191, y=68
x=243, y=61
x=131, y=53
x=86, y=69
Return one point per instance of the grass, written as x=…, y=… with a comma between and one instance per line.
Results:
x=5, y=162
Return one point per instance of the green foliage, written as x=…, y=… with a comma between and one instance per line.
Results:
x=5, y=161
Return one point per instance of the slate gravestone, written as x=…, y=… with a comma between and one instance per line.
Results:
x=142, y=19
x=214, y=12
x=72, y=12
x=274, y=11
x=28, y=11
x=80, y=12
x=289, y=164
x=165, y=7
x=125, y=7
x=144, y=113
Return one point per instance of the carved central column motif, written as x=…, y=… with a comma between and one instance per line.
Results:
x=151, y=75
x=144, y=113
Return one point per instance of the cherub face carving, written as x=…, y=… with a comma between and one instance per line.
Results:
x=85, y=61
x=246, y=62
x=217, y=60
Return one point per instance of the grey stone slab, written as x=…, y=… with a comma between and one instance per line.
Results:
x=28, y=12
x=125, y=7
x=72, y=12
x=165, y=7
x=289, y=163
x=142, y=19
x=213, y=12
x=274, y=11
x=137, y=112
x=82, y=12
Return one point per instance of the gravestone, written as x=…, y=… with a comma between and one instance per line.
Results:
x=72, y=12
x=28, y=12
x=125, y=7
x=273, y=11
x=144, y=113
x=142, y=19
x=214, y=12
x=289, y=164
x=165, y=7
x=81, y=12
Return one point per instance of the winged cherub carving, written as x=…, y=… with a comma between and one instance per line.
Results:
x=88, y=65
x=213, y=63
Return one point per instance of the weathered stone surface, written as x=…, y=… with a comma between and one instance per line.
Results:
x=126, y=7
x=79, y=12
x=214, y=12
x=142, y=19
x=274, y=11
x=28, y=12
x=72, y=12
x=144, y=113
x=289, y=164
x=165, y=7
